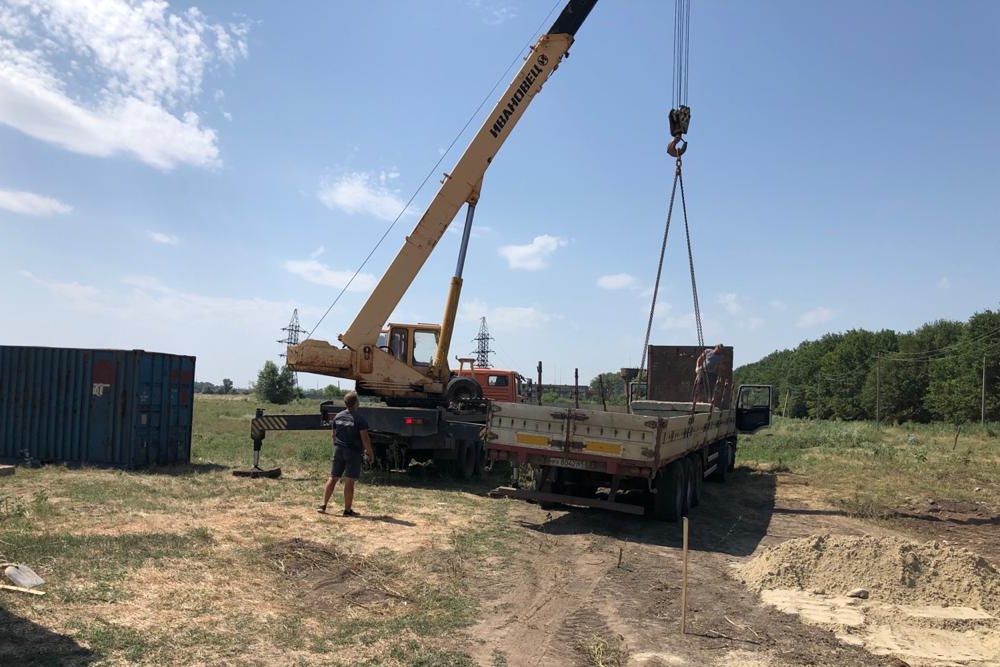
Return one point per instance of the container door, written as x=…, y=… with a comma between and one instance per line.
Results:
x=753, y=408
x=103, y=391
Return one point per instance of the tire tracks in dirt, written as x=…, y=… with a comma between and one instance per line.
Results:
x=583, y=578
x=530, y=617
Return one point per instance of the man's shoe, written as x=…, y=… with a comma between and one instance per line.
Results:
x=350, y=512
x=321, y=509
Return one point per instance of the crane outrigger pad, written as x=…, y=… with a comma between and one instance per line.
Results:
x=254, y=473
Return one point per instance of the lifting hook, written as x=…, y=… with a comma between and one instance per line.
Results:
x=677, y=147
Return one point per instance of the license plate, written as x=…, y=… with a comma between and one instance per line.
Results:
x=574, y=463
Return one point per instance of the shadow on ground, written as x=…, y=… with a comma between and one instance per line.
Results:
x=732, y=518
x=28, y=644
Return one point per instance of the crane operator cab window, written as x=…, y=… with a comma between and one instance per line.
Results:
x=397, y=343
x=424, y=347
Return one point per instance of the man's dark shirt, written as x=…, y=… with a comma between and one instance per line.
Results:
x=347, y=427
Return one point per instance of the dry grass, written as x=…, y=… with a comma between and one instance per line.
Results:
x=602, y=652
x=194, y=566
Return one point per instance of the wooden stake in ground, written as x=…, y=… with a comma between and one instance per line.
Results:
x=21, y=589
x=684, y=580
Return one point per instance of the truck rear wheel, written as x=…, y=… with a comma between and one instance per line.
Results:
x=670, y=500
x=464, y=465
x=722, y=462
x=695, y=477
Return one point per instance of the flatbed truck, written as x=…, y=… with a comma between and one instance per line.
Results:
x=652, y=461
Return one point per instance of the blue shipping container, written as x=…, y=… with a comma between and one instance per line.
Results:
x=119, y=408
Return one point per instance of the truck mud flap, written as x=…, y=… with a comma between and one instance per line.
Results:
x=543, y=497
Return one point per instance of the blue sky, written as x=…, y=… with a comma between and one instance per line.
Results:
x=180, y=177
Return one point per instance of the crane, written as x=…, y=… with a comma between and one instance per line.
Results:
x=407, y=364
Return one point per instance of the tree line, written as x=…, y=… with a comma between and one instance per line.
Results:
x=944, y=371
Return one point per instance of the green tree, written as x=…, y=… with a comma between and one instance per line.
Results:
x=904, y=376
x=227, y=386
x=614, y=388
x=954, y=392
x=333, y=391
x=274, y=386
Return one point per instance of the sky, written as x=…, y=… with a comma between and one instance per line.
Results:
x=179, y=177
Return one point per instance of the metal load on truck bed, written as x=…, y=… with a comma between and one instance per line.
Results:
x=609, y=442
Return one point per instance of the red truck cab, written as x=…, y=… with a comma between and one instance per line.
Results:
x=497, y=384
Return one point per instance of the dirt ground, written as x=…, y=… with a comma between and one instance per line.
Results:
x=564, y=588
x=591, y=588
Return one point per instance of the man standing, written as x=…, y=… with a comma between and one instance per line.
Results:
x=707, y=370
x=350, y=441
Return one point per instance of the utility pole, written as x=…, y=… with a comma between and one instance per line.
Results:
x=539, y=390
x=878, y=388
x=576, y=385
x=982, y=413
x=784, y=406
x=819, y=394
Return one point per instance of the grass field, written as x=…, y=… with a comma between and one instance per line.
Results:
x=193, y=566
x=868, y=472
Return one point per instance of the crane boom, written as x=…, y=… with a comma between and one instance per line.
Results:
x=375, y=369
x=461, y=186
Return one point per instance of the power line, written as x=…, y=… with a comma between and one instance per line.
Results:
x=489, y=96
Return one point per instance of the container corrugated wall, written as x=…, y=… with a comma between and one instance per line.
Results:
x=120, y=408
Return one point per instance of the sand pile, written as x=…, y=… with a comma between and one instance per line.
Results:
x=890, y=569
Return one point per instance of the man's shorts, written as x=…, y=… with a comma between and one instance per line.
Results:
x=346, y=463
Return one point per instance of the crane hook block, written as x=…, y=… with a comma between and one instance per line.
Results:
x=676, y=147
x=679, y=120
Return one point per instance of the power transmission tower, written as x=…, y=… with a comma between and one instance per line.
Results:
x=482, y=341
x=293, y=331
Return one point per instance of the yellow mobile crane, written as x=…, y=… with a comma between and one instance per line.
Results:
x=407, y=364
x=428, y=414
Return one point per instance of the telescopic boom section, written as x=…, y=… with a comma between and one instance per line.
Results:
x=461, y=186
x=376, y=370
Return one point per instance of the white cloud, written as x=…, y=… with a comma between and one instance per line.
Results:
x=685, y=322
x=165, y=239
x=732, y=304
x=617, y=281
x=752, y=323
x=27, y=203
x=362, y=193
x=140, y=312
x=532, y=256
x=317, y=252
x=944, y=283
x=815, y=316
x=146, y=298
x=478, y=231
x=135, y=69
x=494, y=12
x=316, y=272
x=505, y=318
x=778, y=305
x=80, y=297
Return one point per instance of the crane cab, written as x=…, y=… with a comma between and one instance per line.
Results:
x=412, y=344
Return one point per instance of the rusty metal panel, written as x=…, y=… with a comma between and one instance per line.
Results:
x=119, y=408
x=672, y=372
